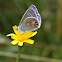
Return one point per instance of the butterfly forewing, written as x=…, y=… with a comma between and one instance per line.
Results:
x=29, y=13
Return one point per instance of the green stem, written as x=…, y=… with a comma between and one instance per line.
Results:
x=18, y=56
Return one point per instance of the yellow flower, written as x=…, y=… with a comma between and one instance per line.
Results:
x=21, y=37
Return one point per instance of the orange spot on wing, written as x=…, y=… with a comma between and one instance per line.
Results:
x=35, y=22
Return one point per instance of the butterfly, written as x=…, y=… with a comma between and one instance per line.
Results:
x=31, y=20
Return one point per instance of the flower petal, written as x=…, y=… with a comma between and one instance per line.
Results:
x=20, y=43
x=13, y=36
x=10, y=34
x=34, y=33
x=29, y=34
x=16, y=31
x=14, y=27
x=29, y=41
x=14, y=42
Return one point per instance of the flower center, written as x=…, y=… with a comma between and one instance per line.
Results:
x=22, y=37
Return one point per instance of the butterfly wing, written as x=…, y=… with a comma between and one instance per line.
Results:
x=31, y=20
x=30, y=23
x=37, y=14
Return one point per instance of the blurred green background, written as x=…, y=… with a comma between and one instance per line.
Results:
x=48, y=41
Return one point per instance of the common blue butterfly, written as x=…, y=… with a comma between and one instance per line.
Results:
x=31, y=20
